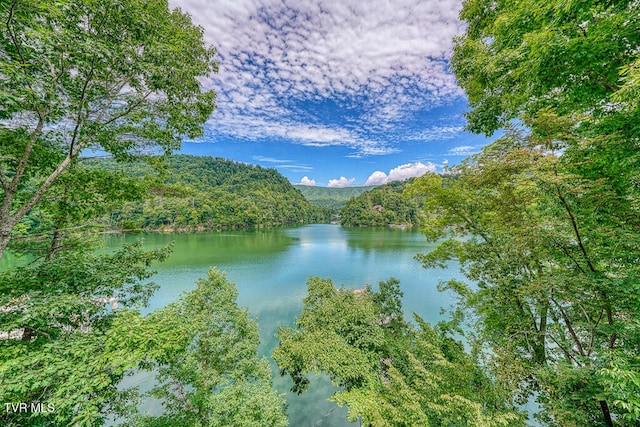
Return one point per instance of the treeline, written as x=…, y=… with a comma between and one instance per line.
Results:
x=382, y=206
x=201, y=192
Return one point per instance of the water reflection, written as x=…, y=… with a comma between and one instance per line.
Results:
x=270, y=269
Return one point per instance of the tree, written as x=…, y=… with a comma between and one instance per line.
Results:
x=551, y=214
x=59, y=334
x=552, y=259
x=120, y=76
x=381, y=206
x=579, y=58
x=204, y=349
x=576, y=60
x=390, y=373
x=74, y=207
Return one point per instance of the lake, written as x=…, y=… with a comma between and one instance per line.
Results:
x=270, y=269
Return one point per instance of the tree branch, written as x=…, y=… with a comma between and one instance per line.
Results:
x=109, y=102
x=129, y=109
x=81, y=105
x=567, y=322
x=3, y=179
x=47, y=183
x=22, y=165
x=593, y=332
x=603, y=294
x=574, y=225
x=602, y=81
x=12, y=34
x=566, y=352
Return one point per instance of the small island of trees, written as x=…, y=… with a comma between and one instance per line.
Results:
x=383, y=206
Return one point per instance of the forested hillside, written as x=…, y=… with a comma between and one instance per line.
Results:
x=381, y=206
x=331, y=197
x=196, y=192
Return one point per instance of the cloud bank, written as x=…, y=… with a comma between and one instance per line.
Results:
x=307, y=181
x=333, y=73
x=400, y=173
x=341, y=183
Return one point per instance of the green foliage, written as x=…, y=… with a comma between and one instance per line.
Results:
x=622, y=381
x=120, y=76
x=382, y=206
x=205, y=354
x=80, y=55
x=65, y=347
x=73, y=208
x=551, y=216
x=551, y=253
x=123, y=77
x=390, y=372
x=519, y=58
x=200, y=192
x=57, y=346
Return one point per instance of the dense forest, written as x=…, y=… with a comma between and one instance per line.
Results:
x=333, y=198
x=201, y=192
x=545, y=220
x=384, y=205
x=544, y=223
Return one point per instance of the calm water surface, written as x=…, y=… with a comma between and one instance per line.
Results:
x=270, y=269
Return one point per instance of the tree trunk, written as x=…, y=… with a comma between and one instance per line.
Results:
x=540, y=353
x=605, y=412
x=56, y=243
x=27, y=334
x=6, y=227
x=9, y=219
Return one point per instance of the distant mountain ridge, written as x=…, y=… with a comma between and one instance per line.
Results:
x=330, y=197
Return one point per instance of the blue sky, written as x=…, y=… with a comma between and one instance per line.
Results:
x=334, y=93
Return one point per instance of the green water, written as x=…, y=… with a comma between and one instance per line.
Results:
x=270, y=269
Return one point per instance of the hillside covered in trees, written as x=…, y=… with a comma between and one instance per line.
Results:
x=381, y=206
x=201, y=192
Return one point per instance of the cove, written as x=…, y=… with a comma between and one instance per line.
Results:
x=270, y=269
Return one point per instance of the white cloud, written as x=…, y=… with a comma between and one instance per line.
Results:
x=400, y=173
x=306, y=181
x=389, y=58
x=269, y=159
x=437, y=133
x=284, y=164
x=377, y=178
x=296, y=167
x=320, y=135
x=464, y=150
x=341, y=183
